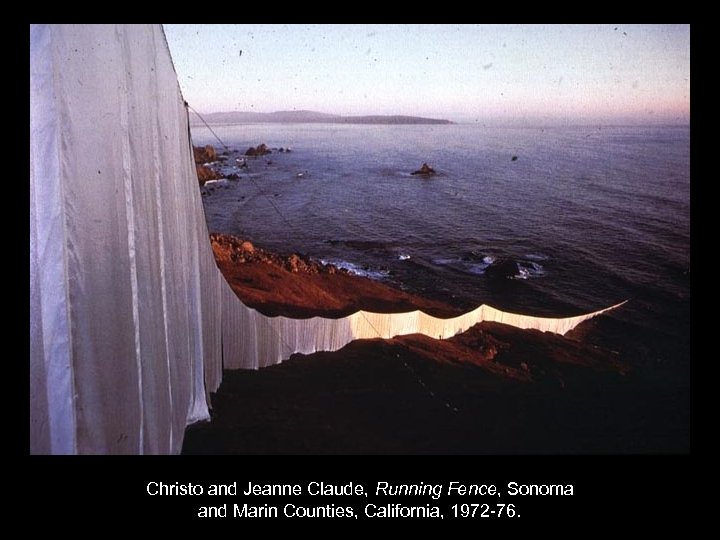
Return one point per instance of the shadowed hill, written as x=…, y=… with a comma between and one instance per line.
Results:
x=309, y=117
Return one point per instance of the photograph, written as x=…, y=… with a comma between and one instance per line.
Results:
x=360, y=239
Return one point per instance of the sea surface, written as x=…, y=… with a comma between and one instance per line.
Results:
x=592, y=216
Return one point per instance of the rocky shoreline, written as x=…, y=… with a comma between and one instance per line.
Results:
x=206, y=161
x=204, y=156
x=295, y=286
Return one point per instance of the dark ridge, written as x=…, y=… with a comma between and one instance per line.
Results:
x=289, y=117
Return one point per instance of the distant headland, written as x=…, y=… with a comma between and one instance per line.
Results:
x=301, y=117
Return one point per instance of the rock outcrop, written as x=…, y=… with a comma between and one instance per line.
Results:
x=260, y=150
x=502, y=269
x=425, y=170
x=206, y=173
x=243, y=251
x=204, y=155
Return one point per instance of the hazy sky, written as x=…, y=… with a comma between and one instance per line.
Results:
x=485, y=73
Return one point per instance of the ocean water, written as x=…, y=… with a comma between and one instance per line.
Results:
x=592, y=216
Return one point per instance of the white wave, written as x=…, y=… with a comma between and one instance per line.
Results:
x=529, y=269
x=357, y=269
x=536, y=257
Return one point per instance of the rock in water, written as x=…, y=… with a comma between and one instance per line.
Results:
x=425, y=170
x=514, y=158
x=260, y=150
x=502, y=269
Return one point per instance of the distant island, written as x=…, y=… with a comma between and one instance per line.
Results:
x=308, y=117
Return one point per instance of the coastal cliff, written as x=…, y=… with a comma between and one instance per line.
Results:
x=295, y=286
x=480, y=391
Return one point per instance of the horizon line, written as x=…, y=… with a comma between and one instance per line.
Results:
x=495, y=120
